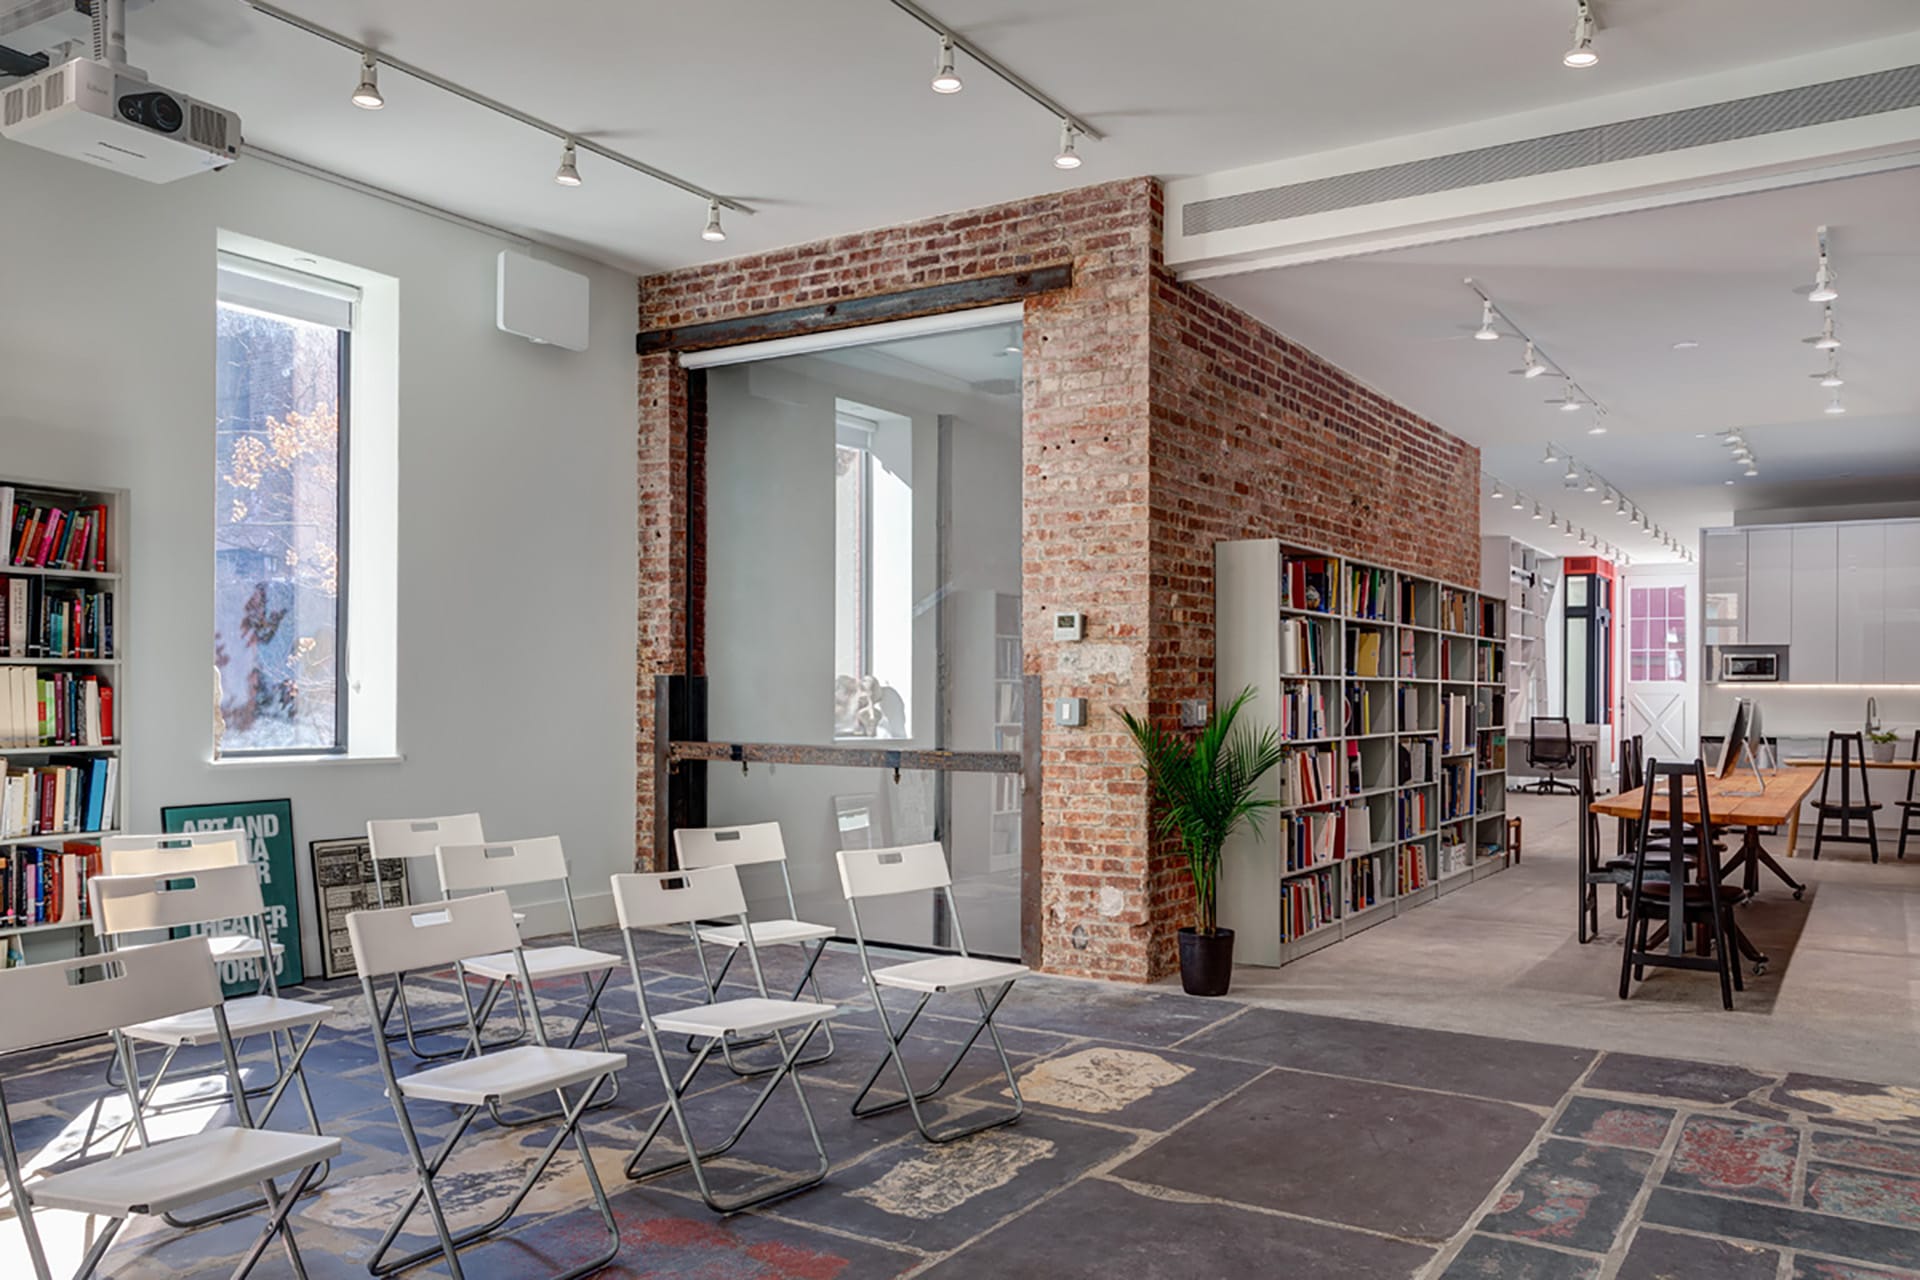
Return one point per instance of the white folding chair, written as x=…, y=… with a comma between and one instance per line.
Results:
x=757, y=844
x=661, y=899
x=42, y=1004
x=149, y=855
x=482, y=868
x=413, y=838
x=401, y=940
x=919, y=868
x=127, y=906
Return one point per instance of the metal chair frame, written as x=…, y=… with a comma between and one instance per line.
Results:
x=1550, y=764
x=1638, y=953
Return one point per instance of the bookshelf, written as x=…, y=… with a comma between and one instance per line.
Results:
x=1526, y=579
x=1389, y=690
x=61, y=706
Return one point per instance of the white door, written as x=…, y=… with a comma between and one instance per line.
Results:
x=1659, y=686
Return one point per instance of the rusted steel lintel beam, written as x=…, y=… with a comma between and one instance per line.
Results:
x=847, y=757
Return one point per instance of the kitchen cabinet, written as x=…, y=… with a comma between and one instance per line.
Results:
x=1861, y=614
x=1816, y=561
x=1769, y=599
x=1723, y=568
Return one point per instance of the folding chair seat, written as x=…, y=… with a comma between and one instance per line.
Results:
x=211, y=896
x=483, y=868
x=920, y=868
x=400, y=940
x=756, y=844
x=41, y=1005
x=663, y=899
x=415, y=838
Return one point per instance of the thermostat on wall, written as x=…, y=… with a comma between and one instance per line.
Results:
x=1069, y=626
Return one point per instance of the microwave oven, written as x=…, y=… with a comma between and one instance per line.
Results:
x=1752, y=668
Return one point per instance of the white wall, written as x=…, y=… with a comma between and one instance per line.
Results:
x=518, y=497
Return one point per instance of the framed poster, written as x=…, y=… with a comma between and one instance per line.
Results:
x=267, y=829
x=343, y=883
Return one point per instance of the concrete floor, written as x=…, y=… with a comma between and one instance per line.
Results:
x=1499, y=958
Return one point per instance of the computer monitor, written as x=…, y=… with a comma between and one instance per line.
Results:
x=1729, y=758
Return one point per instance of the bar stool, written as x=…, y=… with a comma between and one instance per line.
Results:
x=1910, y=807
x=1853, y=756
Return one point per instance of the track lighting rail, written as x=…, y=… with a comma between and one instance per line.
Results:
x=998, y=68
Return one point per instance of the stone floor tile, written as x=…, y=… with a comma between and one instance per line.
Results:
x=1752, y=1158
x=1870, y=1153
x=1537, y=1074
x=1668, y=1255
x=1570, y=1194
x=1490, y=1258
x=1805, y=1268
x=1849, y=1101
x=1864, y=1193
x=1097, y=1229
x=1616, y=1124
x=1139, y=1088
x=1786, y=1228
x=1404, y=1161
x=1672, y=1078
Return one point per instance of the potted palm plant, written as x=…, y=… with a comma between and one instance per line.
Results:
x=1203, y=789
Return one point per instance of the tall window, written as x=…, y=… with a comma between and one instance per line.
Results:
x=283, y=356
x=873, y=573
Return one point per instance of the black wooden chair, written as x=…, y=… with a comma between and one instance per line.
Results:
x=1853, y=758
x=1593, y=872
x=1910, y=808
x=1687, y=898
x=1551, y=753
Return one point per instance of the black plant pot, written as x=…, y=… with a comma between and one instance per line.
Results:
x=1206, y=962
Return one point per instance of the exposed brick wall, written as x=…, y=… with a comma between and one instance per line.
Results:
x=1157, y=420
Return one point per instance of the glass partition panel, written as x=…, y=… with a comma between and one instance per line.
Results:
x=863, y=589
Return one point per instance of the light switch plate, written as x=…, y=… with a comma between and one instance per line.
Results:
x=1193, y=713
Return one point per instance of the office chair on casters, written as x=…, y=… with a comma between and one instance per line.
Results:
x=1550, y=751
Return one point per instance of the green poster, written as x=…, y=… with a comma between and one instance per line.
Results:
x=268, y=828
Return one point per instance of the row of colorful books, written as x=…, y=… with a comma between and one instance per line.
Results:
x=1491, y=665
x=1363, y=653
x=1456, y=789
x=1410, y=869
x=1454, y=606
x=1456, y=723
x=1455, y=851
x=43, y=885
x=1492, y=752
x=1415, y=814
x=1303, y=712
x=1409, y=661
x=1311, y=839
x=1369, y=592
x=42, y=621
x=1416, y=763
x=1302, y=650
x=1307, y=583
x=1363, y=883
x=53, y=799
x=1311, y=901
x=55, y=709
x=1307, y=777
x=49, y=536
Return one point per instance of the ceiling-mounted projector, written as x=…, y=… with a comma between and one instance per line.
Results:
x=114, y=117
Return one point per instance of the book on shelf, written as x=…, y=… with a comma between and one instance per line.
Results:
x=1359, y=717
x=1411, y=721
x=1493, y=614
x=1363, y=884
x=1307, y=777
x=1456, y=723
x=1367, y=592
x=1492, y=751
x=1456, y=789
x=1454, y=604
x=1453, y=852
x=1307, y=583
x=1363, y=653
x=46, y=535
x=55, y=799
x=1408, y=614
x=1301, y=650
x=1303, y=712
x=38, y=620
x=1408, y=660
x=1314, y=839
x=1415, y=815
x=1416, y=762
x=55, y=708
x=1312, y=901
x=46, y=885
x=1410, y=869
x=1354, y=783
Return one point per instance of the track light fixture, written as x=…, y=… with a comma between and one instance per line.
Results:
x=1599, y=427
x=1831, y=378
x=714, y=232
x=1581, y=55
x=1572, y=472
x=1752, y=470
x=367, y=96
x=568, y=174
x=1519, y=503
x=1836, y=406
x=1825, y=339
x=1551, y=456
x=1530, y=366
x=946, y=79
x=1823, y=290
x=1487, y=332
x=1499, y=491
x=1569, y=403
x=1536, y=511
x=1066, y=157
x=1591, y=487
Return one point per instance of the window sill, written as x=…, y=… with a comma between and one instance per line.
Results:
x=269, y=762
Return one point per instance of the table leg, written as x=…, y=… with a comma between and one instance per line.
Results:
x=1793, y=830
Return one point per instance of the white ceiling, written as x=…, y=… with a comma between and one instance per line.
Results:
x=817, y=112
x=1607, y=298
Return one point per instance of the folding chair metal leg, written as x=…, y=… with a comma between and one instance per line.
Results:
x=451, y=1241
x=277, y=1225
x=592, y=1011
x=411, y=1033
x=808, y=981
x=912, y=1100
x=789, y=1061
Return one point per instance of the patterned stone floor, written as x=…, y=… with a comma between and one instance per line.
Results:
x=1165, y=1137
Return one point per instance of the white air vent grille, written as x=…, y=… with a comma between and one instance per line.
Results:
x=27, y=101
x=1874, y=94
x=208, y=128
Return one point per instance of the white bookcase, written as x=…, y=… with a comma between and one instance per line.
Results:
x=1421, y=728
x=23, y=940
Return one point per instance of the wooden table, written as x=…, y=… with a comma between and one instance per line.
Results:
x=1778, y=805
x=1815, y=762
